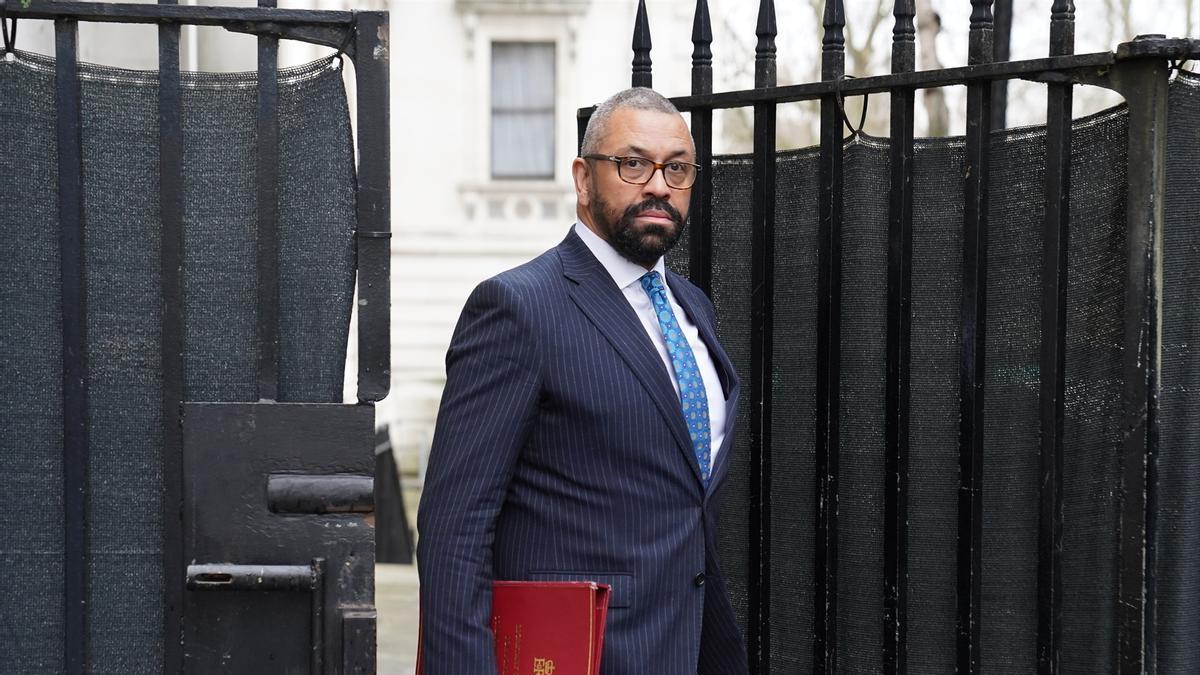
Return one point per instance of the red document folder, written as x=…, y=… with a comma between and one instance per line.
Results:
x=547, y=627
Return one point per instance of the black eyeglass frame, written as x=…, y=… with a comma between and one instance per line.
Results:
x=658, y=166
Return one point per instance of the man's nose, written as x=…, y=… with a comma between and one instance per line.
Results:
x=657, y=185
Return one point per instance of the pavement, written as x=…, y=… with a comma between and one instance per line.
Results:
x=396, y=600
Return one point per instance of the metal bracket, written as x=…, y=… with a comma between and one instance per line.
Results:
x=1159, y=47
x=340, y=38
x=288, y=578
x=1172, y=50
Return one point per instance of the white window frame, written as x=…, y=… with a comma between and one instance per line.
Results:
x=556, y=23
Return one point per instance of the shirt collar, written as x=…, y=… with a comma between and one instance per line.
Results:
x=623, y=271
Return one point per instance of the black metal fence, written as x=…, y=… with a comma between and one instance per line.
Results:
x=172, y=336
x=888, y=511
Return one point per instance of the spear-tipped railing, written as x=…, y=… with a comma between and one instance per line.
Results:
x=762, y=296
x=899, y=323
x=1139, y=71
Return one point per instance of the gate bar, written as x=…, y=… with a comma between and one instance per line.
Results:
x=267, y=207
x=974, y=317
x=232, y=577
x=74, y=344
x=642, y=74
x=700, y=237
x=829, y=338
x=899, y=325
x=762, y=297
x=171, y=257
x=200, y=15
x=1055, y=237
x=1079, y=68
x=373, y=236
x=1031, y=69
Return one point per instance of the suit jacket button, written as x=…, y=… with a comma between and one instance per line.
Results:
x=699, y=580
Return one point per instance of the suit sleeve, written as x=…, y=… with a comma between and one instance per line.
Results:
x=487, y=412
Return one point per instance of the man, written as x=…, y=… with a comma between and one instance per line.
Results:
x=587, y=423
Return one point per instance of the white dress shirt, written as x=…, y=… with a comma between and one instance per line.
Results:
x=627, y=275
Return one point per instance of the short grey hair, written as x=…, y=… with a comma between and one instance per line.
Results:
x=638, y=98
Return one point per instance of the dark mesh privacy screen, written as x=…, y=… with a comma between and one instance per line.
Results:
x=120, y=153
x=794, y=418
x=731, y=297
x=1095, y=320
x=1097, y=270
x=933, y=413
x=1179, y=420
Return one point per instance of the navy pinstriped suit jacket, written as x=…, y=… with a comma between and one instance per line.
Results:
x=561, y=453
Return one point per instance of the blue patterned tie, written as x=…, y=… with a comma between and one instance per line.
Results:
x=692, y=395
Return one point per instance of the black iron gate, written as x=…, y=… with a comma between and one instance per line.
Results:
x=190, y=495
x=884, y=514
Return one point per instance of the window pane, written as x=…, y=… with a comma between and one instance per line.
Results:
x=523, y=110
x=523, y=145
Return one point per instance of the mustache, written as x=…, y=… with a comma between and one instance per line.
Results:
x=653, y=204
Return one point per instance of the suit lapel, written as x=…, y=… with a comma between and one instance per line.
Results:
x=730, y=384
x=606, y=307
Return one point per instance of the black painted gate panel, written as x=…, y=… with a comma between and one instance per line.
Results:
x=177, y=237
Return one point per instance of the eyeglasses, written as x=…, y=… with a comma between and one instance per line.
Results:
x=639, y=170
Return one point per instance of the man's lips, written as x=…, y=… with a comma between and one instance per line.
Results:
x=656, y=215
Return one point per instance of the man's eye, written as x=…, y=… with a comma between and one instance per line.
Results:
x=634, y=163
x=675, y=167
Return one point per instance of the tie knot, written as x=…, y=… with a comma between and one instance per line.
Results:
x=652, y=282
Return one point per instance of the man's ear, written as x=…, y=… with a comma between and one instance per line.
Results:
x=582, y=175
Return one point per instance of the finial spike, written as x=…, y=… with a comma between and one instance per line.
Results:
x=835, y=14
x=835, y=26
x=702, y=24
x=764, y=53
x=904, y=37
x=766, y=20
x=1063, y=7
x=833, y=45
x=642, y=74
x=980, y=45
x=981, y=14
x=701, y=50
x=1062, y=28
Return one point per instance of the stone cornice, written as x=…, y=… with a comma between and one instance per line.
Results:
x=551, y=7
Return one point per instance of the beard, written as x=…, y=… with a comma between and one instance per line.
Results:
x=642, y=246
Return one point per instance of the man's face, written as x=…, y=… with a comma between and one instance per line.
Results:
x=641, y=221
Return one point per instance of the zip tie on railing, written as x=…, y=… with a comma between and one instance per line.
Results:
x=9, y=28
x=341, y=49
x=841, y=104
